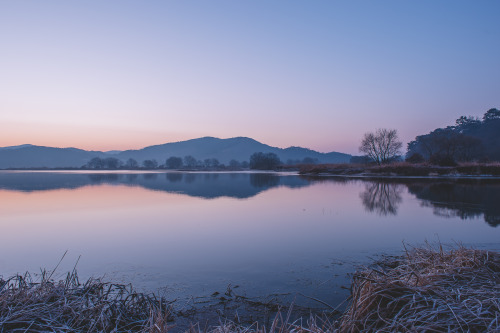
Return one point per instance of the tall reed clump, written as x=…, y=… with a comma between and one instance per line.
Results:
x=427, y=290
x=68, y=306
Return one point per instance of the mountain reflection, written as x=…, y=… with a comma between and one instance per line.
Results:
x=382, y=198
x=205, y=185
x=464, y=199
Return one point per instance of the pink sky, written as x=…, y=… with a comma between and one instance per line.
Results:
x=123, y=75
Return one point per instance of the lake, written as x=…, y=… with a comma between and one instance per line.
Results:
x=189, y=236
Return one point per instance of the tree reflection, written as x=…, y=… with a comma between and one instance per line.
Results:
x=104, y=177
x=150, y=176
x=262, y=180
x=174, y=176
x=465, y=199
x=131, y=177
x=189, y=178
x=382, y=198
x=493, y=220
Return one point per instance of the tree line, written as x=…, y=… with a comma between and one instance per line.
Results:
x=258, y=161
x=470, y=139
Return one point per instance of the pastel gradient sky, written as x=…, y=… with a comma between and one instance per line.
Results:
x=124, y=74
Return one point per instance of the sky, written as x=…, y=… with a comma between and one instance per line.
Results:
x=113, y=75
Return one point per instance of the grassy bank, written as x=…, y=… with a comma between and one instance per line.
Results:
x=44, y=305
x=424, y=290
x=403, y=169
x=427, y=290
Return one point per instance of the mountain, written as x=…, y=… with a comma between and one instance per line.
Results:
x=225, y=150
x=29, y=156
x=15, y=147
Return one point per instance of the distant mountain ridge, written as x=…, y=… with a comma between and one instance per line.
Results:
x=15, y=147
x=30, y=156
x=224, y=150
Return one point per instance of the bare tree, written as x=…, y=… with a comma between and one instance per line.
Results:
x=131, y=164
x=173, y=162
x=383, y=198
x=189, y=161
x=382, y=146
x=150, y=164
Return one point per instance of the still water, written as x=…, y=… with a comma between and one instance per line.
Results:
x=192, y=234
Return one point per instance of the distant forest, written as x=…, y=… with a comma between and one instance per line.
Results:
x=258, y=161
x=470, y=139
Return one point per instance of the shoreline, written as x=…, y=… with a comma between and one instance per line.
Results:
x=405, y=170
x=376, y=176
x=397, y=170
x=361, y=175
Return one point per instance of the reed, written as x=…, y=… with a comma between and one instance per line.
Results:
x=426, y=289
x=402, y=169
x=280, y=324
x=68, y=306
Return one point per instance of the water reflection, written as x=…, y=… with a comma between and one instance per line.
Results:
x=466, y=199
x=101, y=178
x=149, y=176
x=132, y=176
x=448, y=198
x=382, y=198
x=263, y=180
x=205, y=185
x=174, y=177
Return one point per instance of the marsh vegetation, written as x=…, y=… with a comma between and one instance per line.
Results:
x=424, y=289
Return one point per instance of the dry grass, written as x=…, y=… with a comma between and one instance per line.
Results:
x=336, y=169
x=479, y=168
x=68, y=306
x=425, y=290
x=280, y=324
x=402, y=169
